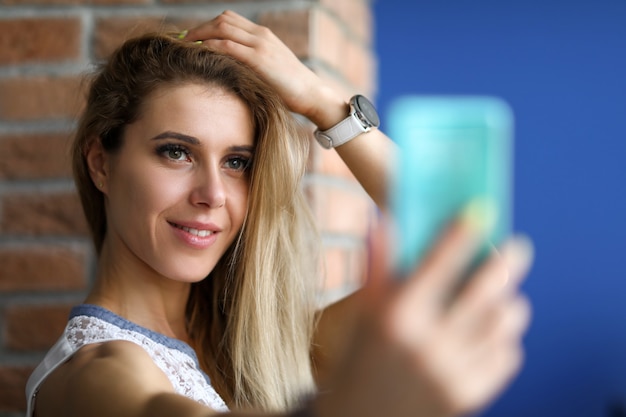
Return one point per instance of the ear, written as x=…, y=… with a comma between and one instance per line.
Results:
x=98, y=163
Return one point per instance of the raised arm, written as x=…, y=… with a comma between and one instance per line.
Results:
x=407, y=353
x=367, y=156
x=410, y=354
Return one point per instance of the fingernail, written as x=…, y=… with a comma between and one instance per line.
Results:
x=480, y=214
x=183, y=34
x=525, y=248
x=519, y=253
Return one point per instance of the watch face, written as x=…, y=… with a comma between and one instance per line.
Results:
x=364, y=106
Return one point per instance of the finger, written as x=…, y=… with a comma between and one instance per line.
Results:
x=228, y=25
x=221, y=29
x=234, y=49
x=495, y=354
x=490, y=375
x=518, y=254
x=443, y=267
x=494, y=282
x=500, y=345
x=505, y=324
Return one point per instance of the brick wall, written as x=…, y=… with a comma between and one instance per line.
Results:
x=46, y=260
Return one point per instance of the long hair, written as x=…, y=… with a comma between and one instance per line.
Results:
x=251, y=320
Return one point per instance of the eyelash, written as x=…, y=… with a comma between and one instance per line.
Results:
x=164, y=150
x=245, y=163
x=169, y=147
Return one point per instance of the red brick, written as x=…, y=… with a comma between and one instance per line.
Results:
x=328, y=162
x=72, y=2
x=41, y=269
x=292, y=27
x=356, y=15
x=13, y=381
x=335, y=268
x=357, y=265
x=118, y=2
x=344, y=267
x=43, y=2
x=39, y=40
x=341, y=211
x=361, y=71
x=345, y=55
x=30, y=156
x=110, y=33
x=42, y=214
x=329, y=40
x=344, y=270
x=32, y=98
x=30, y=328
x=207, y=1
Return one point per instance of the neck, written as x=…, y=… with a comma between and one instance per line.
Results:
x=131, y=289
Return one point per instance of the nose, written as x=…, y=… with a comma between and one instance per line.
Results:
x=209, y=188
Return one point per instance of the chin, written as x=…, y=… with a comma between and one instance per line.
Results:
x=188, y=278
x=187, y=273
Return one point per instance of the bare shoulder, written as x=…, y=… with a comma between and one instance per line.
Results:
x=106, y=379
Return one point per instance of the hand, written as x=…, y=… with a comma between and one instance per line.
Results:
x=256, y=46
x=302, y=91
x=417, y=353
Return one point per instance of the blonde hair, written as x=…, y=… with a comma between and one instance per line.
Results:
x=252, y=319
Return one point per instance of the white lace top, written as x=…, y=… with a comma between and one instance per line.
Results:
x=90, y=324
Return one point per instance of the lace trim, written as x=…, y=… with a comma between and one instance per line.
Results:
x=179, y=365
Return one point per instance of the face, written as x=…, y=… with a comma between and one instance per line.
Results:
x=177, y=190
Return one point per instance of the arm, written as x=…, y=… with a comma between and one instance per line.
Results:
x=114, y=379
x=367, y=156
x=111, y=379
x=396, y=349
x=407, y=355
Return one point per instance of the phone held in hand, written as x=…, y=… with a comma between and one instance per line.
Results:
x=453, y=150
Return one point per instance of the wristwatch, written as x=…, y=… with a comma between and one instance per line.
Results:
x=362, y=118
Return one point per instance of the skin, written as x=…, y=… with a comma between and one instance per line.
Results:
x=181, y=163
x=444, y=358
x=152, y=187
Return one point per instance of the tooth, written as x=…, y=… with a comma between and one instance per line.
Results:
x=195, y=232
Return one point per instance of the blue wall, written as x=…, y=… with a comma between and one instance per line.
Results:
x=562, y=67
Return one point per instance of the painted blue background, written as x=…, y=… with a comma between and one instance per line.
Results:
x=562, y=67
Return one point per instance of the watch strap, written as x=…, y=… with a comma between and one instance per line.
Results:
x=341, y=133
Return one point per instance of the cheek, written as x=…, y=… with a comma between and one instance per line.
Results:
x=239, y=204
x=140, y=195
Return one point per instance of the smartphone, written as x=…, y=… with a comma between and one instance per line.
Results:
x=453, y=150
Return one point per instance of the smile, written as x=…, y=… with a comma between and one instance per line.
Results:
x=191, y=230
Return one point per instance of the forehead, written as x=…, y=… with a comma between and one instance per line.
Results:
x=201, y=110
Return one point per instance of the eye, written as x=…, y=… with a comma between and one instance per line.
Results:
x=238, y=163
x=174, y=152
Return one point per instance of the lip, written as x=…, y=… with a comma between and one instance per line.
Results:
x=197, y=235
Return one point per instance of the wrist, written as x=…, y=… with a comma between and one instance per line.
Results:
x=330, y=109
x=361, y=117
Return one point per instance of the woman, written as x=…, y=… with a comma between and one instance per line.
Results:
x=189, y=164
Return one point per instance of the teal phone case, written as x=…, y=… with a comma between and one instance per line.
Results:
x=452, y=150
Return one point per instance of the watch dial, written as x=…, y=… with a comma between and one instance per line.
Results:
x=368, y=110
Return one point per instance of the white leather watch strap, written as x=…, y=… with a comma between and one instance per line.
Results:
x=341, y=133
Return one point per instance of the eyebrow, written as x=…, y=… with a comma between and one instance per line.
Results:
x=194, y=141
x=175, y=135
